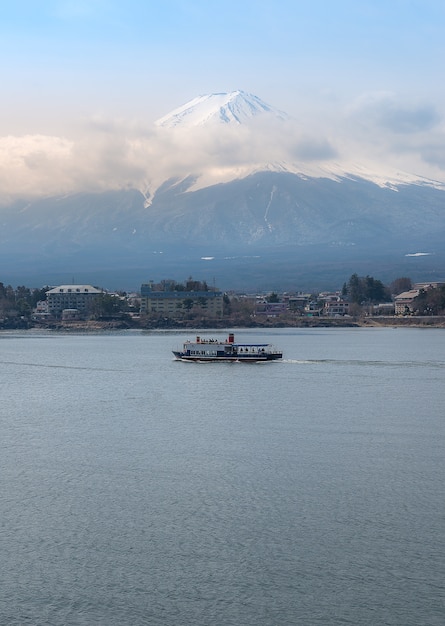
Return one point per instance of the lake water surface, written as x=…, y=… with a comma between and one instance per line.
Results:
x=136, y=489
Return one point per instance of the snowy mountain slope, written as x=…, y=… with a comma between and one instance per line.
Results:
x=239, y=109
x=317, y=227
x=276, y=216
x=236, y=107
x=383, y=177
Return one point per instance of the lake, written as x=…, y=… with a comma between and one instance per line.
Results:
x=136, y=489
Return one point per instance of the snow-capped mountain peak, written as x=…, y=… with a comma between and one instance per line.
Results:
x=235, y=107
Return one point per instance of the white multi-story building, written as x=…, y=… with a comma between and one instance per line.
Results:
x=80, y=297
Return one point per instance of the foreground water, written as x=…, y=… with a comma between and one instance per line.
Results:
x=140, y=490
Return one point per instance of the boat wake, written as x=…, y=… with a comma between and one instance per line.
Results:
x=60, y=367
x=359, y=363
x=299, y=361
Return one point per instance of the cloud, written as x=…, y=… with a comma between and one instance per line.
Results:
x=314, y=149
x=33, y=165
x=113, y=154
x=384, y=110
x=407, y=135
x=434, y=152
x=107, y=154
x=402, y=120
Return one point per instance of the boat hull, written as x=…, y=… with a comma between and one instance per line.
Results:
x=181, y=356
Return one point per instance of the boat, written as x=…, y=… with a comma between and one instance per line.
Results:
x=203, y=350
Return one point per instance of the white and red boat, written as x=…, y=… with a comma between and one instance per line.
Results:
x=226, y=350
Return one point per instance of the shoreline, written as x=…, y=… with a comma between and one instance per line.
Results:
x=267, y=323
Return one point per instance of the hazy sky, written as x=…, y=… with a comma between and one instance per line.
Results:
x=81, y=78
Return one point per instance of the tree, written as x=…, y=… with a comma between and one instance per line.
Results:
x=354, y=290
x=375, y=290
x=272, y=297
x=196, y=285
x=430, y=301
x=38, y=295
x=187, y=303
x=107, y=304
x=23, y=293
x=242, y=309
x=227, y=307
x=362, y=290
x=399, y=285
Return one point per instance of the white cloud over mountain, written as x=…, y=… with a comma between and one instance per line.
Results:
x=107, y=154
x=383, y=109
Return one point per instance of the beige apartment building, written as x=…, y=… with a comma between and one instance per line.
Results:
x=176, y=304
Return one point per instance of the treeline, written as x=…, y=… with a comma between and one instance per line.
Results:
x=172, y=285
x=18, y=304
x=370, y=290
x=365, y=290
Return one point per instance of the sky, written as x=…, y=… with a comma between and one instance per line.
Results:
x=84, y=80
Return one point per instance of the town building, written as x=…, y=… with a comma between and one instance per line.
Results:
x=403, y=303
x=177, y=303
x=270, y=309
x=427, y=286
x=384, y=308
x=297, y=302
x=336, y=307
x=74, y=297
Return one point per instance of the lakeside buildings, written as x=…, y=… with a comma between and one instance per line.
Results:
x=195, y=300
x=403, y=303
x=174, y=301
x=72, y=298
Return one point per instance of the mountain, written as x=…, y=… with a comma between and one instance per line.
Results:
x=241, y=110
x=265, y=226
x=269, y=230
x=236, y=107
